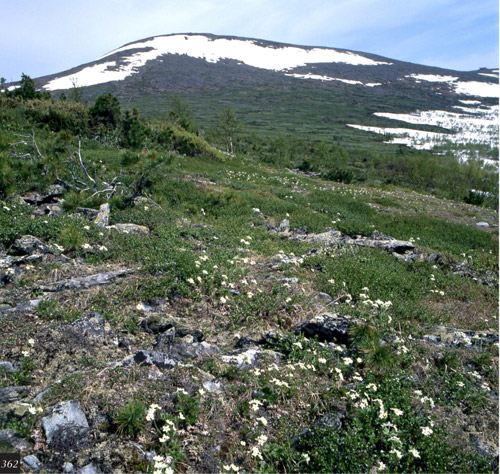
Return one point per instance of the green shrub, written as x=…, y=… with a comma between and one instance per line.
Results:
x=130, y=419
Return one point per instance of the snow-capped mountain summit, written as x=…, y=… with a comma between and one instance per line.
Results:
x=359, y=90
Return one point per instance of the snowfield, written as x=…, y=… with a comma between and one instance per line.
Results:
x=475, y=126
x=475, y=88
x=212, y=50
x=327, y=78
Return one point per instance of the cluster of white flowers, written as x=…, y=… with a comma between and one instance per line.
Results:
x=440, y=292
x=150, y=415
x=231, y=468
x=377, y=304
x=162, y=465
x=168, y=428
x=255, y=404
x=35, y=410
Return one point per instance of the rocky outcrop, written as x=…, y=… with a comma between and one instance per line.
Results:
x=327, y=327
x=67, y=429
x=102, y=218
x=129, y=229
x=29, y=245
x=442, y=336
x=96, y=328
x=85, y=282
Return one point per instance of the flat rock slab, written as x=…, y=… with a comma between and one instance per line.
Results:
x=162, y=360
x=95, y=327
x=85, y=282
x=29, y=245
x=129, y=229
x=442, y=336
x=330, y=327
x=67, y=427
x=12, y=394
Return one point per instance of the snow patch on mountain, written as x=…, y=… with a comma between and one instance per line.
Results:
x=475, y=126
x=249, y=52
x=475, y=88
x=328, y=78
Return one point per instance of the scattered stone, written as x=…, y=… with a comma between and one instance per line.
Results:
x=85, y=282
x=13, y=394
x=165, y=341
x=102, y=218
x=95, y=327
x=52, y=210
x=183, y=333
x=14, y=439
x=186, y=351
x=243, y=359
x=89, y=469
x=284, y=226
x=245, y=343
x=67, y=428
x=157, y=324
x=29, y=245
x=7, y=367
x=282, y=259
x=442, y=336
x=68, y=467
x=26, y=306
x=161, y=360
x=482, y=224
x=151, y=306
x=330, y=327
x=323, y=299
x=129, y=229
x=33, y=462
x=87, y=212
x=331, y=420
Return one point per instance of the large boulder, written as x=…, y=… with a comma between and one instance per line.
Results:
x=96, y=328
x=102, y=218
x=67, y=429
x=329, y=327
x=29, y=245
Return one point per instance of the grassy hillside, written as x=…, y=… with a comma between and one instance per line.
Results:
x=261, y=319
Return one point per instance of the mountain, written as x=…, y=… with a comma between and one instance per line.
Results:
x=278, y=88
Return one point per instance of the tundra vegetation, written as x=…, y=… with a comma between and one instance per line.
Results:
x=180, y=299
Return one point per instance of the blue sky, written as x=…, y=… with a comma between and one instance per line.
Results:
x=40, y=37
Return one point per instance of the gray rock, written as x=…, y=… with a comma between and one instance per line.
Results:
x=12, y=394
x=7, y=367
x=332, y=421
x=323, y=298
x=33, y=462
x=442, y=336
x=14, y=439
x=85, y=282
x=53, y=210
x=330, y=327
x=102, y=218
x=482, y=224
x=68, y=467
x=95, y=327
x=161, y=360
x=129, y=229
x=67, y=427
x=186, y=351
x=29, y=245
x=87, y=212
x=89, y=469
x=152, y=306
x=165, y=341
x=284, y=226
